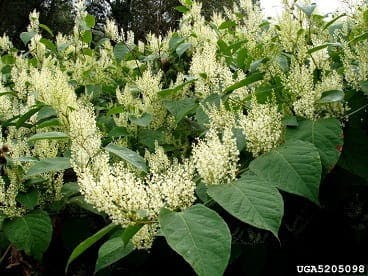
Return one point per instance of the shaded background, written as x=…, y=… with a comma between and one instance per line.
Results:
x=140, y=16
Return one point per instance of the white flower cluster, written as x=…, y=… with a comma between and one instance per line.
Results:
x=37, y=48
x=8, y=203
x=220, y=118
x=216, y=158
x=51, y=87
x=306, y=94
x=112, y=30
x=213, y=76
x=147, y=101
x=193, y=22
x=355, y=61
x=262, y=128
x=122, y=193
x=34, y=23
x=86, y=139
x=5, y=43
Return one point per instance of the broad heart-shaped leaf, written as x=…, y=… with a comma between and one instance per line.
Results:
x=116, y=248
x=307, y=9
x=48, y=165
x=252, y=201
x=325, y=134
x=143, y=120
x=48, y=135
x=294, y=167
x=31, y=233
x=200, y=236
x=128, y=155
x=29, y=200
x=69, y=189
x=27, y=36
x=90, y=20
x=180, y=108
x=86, y=36
x=174, y=41
x=84, y=245
x=120, y=50
x=182, y=48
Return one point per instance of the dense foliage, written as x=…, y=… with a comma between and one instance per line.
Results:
x=166, y=138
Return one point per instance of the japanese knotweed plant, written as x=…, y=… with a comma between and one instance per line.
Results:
x=149, y=135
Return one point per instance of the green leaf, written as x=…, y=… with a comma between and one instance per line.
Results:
x=69, y=189
x=115, y=110
x=52, y=135
x=143, y=121
x=290, y=121
x=47, y=29
x=224, y=48
x=31, y=233
x=307, y=9
x=8, y=59
x=227, y=24
x=240, y=138
x=182, y=48
x=84, y=245
x=325, y=134
x=79, y=201
x=128, y=155
x=294, y=167
x=86, y=36
x=252, y=200
x=112, y=251
x=364, y=87
x=325, y=45
x=117, y=132
x=8, y=93
x=120, y=51
x=87, y=51
x=63, y=46
x=247, y=81
x=90, y=20
x=49, y=165
x=49, y=123
x=181, y=108
x=182, y=9
x=188, y=3
x=164, y=93
x=254, y=66
x=49, y=44
x=27, y=36
x=46, y=112
x=29, y=200
x=148, y=137
x=359, y=38
x=328, y=24
x=332, y=96
x=174, y=41
x=200, y=236
x=116, y=248
x=20, y=122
